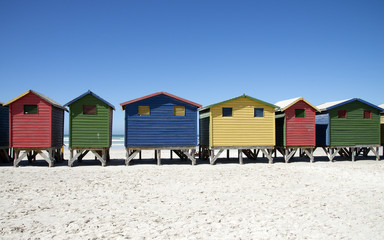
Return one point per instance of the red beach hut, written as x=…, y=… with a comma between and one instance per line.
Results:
x=295, y=127
x=36, y=124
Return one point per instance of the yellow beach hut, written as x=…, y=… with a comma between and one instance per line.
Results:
x=382, y=126
x=243, y=123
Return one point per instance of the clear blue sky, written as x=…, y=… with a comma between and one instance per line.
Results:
x=204, y=51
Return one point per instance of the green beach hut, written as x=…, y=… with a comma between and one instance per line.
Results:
x=90, y=127
x=348, y=127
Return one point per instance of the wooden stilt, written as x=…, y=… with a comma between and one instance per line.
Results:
x=240, y=153
x=158, y=157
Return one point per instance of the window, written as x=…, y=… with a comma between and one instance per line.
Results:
x=300, y=113
x=30, y=109
x=89, y=109
x=144, y=110
x=367, y=114
x=258, y=112
x=227, y=112
x=179, y=110
x=342, y=113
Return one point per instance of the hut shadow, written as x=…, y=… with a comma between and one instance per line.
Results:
x=259, y=160
x=164, y=161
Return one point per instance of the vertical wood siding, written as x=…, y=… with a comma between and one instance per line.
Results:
x=354, y=130
x=4, y=126
x=204, y=118
x=30, y=130
x=161, y=128
x=88, y=130
x=242, y=129
x=322, y=129
x=57, y=127
x=300, y=131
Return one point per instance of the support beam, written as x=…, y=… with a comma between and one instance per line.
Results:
x=48, y=158
x=268, y=154
x=158, y=157
x=240, y=153
x=289, y=153
x=375, y=151
x=130, y=155
x=309, y=153
x=190, y=157
x=18, y=159
x=214, y=157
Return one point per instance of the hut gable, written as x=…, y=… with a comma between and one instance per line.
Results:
x=240, y=121
x=160, y=120
x=33, y=119
x=351, y=122
x=4, y=125
x=90, y=121
x=296, y=125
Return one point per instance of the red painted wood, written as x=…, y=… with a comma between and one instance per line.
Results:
x=30, y=130
x=300, y=131
x=158, y=93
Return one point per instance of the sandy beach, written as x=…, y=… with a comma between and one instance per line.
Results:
x=299, y=200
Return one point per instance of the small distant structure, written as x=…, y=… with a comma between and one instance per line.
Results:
x=161, y=121
x=90, y=127
x=4, y=133
x=243, y=123
x=36, y=124
x=382, y=126
x=348, y=128
x=296, y=128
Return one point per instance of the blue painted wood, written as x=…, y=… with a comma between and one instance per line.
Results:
x=161, y=128
x=4, y=126
x=322, y=129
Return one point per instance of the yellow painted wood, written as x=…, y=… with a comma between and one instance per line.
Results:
x=144, y=110
x=242, y=129
x=179, y=110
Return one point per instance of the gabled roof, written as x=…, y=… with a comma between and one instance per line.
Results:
x=242, y=96
x=94, y=95
x=47, y=99
x=381, y=106
x=159, y=93
x=283, y=105
x=329, y=105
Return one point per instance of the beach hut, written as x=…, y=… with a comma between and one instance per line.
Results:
x=36, y=125
x=295, y=128
x=160, y=121
x=348, y=127
x=4, y=131
x=382, y=126
x=243, y=123
x=90, y=127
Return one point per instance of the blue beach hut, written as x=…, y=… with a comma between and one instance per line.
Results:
x=4, y=132
x=160, y=121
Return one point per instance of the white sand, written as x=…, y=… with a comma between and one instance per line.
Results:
x=300, y=200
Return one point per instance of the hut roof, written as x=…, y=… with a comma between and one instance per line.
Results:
x=94, y=95
x=242, y=96
x=50, y=101
x=381, y=106
x=159, y=93
x=283, y=105
x=329, y=105
x=1, y=103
